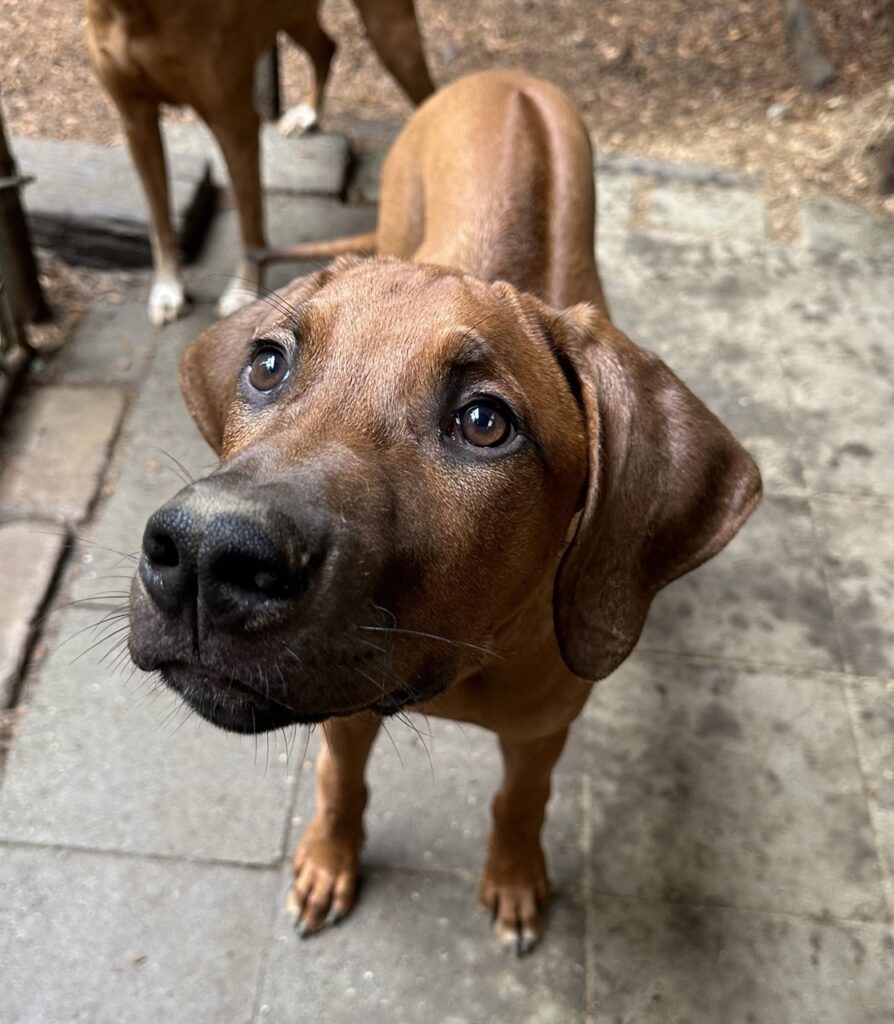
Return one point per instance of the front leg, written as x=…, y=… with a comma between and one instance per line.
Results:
x=236, y=127
x=167, y=298
x=326, y=860
x=515, y=885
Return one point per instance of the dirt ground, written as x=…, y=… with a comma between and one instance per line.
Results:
x=706, y=81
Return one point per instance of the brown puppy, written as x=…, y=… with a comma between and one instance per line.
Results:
x=440, y=488
x=202, y=53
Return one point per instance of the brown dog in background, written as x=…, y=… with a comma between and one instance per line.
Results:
x=202, y=54
x=448, y=484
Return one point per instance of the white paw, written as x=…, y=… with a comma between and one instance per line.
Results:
x=297, y=120
x=167, y=301
x=239, y=293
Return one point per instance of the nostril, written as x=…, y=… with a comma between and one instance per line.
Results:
x=167, y=567
x=247, y=573
x=161, y=550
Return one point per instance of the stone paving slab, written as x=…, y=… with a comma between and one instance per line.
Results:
x=832, y=225
x=30, y=557
x=763, y=599
x=311, y=164
x=86, y=203
x=703, y=316
x=711, y=784
x=873, y=703
x=857, y=537
x=110, y=345
x=55, y=447
x=833, y=317
x=417, y=949
x=706, y=212
x=99, y=939
x=611, y=164
x=615, y=196
x=670, y=963
x=106, y=763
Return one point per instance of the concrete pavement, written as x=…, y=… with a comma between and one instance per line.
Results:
x=722, y=832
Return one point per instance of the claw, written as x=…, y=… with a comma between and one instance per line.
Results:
x=518, y=940
x=303, y=929
x=526, y=941
x=335, y=916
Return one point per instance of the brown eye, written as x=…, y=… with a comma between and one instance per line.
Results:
x=484, y=424
x=268, y=368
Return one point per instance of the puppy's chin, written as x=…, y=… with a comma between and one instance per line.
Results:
x=233, y=706
x=236, y=706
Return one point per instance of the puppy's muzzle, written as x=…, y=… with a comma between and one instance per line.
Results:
x=240, y=564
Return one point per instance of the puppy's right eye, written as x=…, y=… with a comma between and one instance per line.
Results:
x=269, y=368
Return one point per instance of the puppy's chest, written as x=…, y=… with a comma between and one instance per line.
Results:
x=530, y=695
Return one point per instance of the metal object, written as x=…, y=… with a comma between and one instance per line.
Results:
x=21, y=296
x=18, y=267
x=15, y=181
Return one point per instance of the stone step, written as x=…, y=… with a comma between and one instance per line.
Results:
x=87, y=206
x=86, y=203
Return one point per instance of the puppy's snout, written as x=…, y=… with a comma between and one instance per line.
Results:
x=237, y=568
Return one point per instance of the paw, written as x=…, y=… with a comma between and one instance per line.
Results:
x=298, y=120
x=325, y=885
x=167, y=301
x=238, y=294
x=516, y=905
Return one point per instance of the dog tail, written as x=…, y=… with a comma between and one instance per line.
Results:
x=322, y=250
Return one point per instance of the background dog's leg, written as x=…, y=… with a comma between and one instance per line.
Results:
x=394, y=32
x=515, y=886
x=167, y=299
x=307, y=33
x=326, y=860
x=237, y=134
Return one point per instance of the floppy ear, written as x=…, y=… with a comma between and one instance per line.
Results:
x=210, y=366
x=668, y=487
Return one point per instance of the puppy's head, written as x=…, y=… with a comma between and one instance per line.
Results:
x=403, y=452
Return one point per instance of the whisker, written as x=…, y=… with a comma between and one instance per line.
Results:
x=183, y=473
x=190, y=711
x=405, y=718
x=270, y=295
x=393, y=744
x=375, y=647
x=102, y=640
x=309, y=732
x=108, y=595
x=110, y=616
x=396, y=631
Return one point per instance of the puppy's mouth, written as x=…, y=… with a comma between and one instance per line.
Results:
x=235, y=705
x=231, y=703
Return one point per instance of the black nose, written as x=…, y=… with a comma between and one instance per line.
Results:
x=168, y=565
x=246, y=567
x=235, y=567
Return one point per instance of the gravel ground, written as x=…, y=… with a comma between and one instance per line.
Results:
x=685, y=80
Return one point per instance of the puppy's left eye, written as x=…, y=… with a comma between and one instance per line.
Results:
x=484, y=424
x=269, y=367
